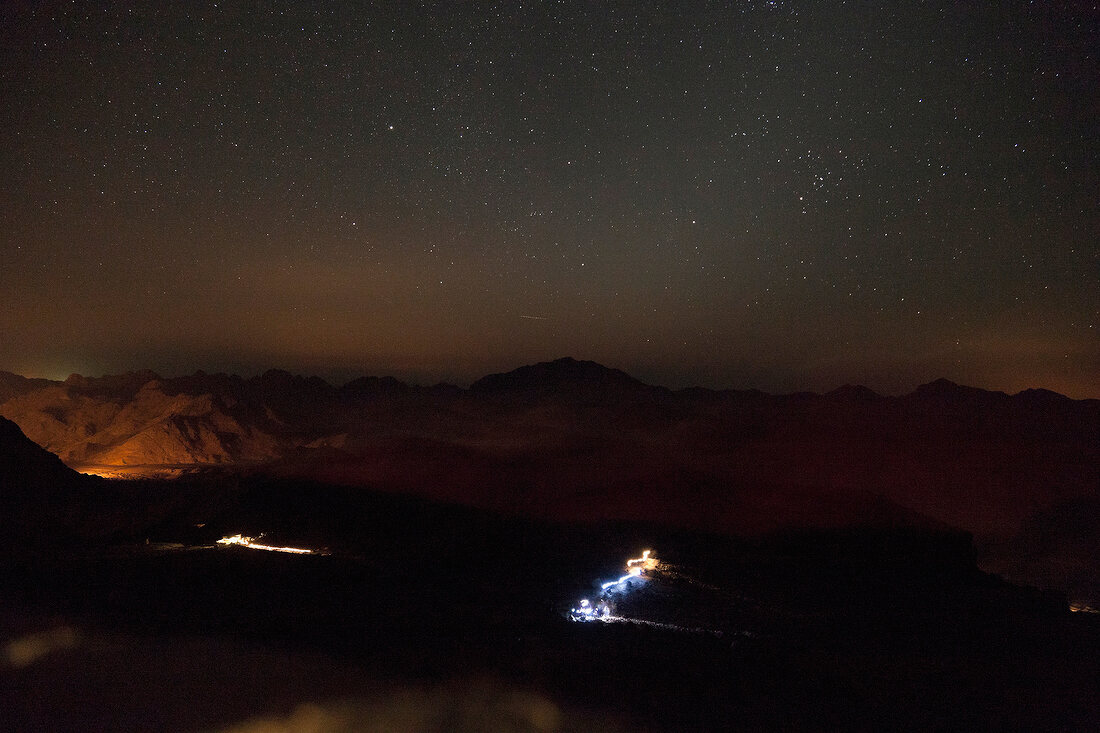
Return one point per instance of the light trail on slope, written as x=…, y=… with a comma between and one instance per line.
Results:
x=586, y=611
x=647, y=562
x=634, y=573
x=634, y=568
x=251, y=542
x=610, y=619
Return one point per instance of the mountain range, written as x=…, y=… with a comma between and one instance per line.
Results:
x=575, y=440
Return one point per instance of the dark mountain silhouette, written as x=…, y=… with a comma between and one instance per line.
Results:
x=948, y=391
x=118, y=386
x=25, y=466
x=12, y=385
x=575, y=440
x=369, y=387
x=565, y=379
x=41, y=499
x=853, y=393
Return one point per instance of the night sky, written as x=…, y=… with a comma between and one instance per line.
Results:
x=780, y=195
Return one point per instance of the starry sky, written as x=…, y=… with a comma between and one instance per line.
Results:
x=780, y=195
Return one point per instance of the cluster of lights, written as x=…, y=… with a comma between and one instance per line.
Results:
x=586, y=611
x=251, y=542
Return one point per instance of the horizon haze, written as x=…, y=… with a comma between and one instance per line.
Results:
x=767, y=195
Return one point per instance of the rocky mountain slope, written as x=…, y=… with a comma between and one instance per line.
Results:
x=38, y=493
x=26, y=465
x=575, y=440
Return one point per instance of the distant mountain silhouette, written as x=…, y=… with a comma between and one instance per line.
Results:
x=944, y=390
x=1042, y=397
x=367, y=387
x=12, y=385
x=853, y=393
x=118, y=386
x=567, y=379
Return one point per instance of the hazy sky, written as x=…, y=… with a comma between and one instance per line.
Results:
x=782, y=195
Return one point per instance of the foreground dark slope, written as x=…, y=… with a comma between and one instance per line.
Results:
x=457, y=614
x=38, y=493
x=126, y=615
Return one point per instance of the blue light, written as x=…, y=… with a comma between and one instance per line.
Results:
x=634, y=573
x=585, y=611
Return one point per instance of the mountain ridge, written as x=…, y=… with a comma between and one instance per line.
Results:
x=564, y=429
x=576, y=441
x=557, y=371
x=141, y=418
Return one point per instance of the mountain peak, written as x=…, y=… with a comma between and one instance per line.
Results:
x=16, y=384
x=566, y=377
x=364, y=387
x=1040, y=395
x=853, y=393
x=119, y=386
x=279, y=380
x=946, y=388
x=939, y=385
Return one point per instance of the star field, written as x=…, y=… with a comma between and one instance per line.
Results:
x=783, y=195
